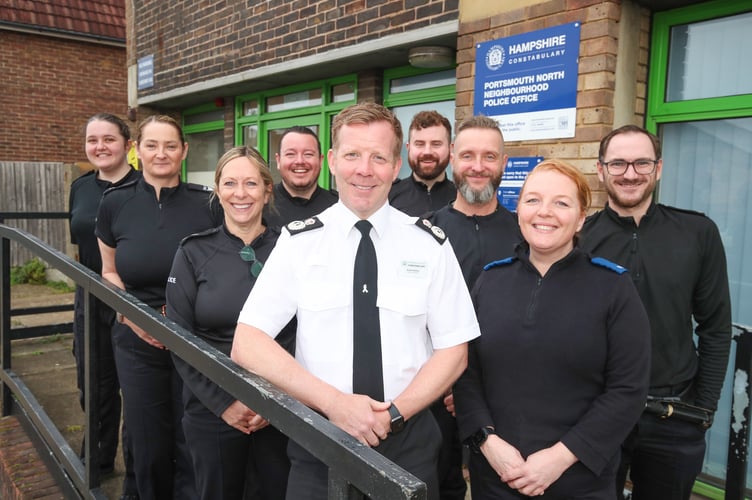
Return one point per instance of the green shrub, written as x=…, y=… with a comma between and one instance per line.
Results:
x=61, y=286
x=33, y=272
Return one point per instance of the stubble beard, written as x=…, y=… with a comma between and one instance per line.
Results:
x=617, y=201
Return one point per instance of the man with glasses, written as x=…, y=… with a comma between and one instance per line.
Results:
x=678, y=264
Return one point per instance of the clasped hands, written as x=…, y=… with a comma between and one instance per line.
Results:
x=366, y=419
x=244, y=419
x=530, y=477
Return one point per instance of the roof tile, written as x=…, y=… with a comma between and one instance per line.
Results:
x=92, y=17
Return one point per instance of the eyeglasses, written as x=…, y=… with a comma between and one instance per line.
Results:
x=641, y=166
x=249, y=255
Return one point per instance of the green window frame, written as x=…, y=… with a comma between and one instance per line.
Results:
x=407, y=98
x=196, y=128
x=318, y=114
x=659, y=110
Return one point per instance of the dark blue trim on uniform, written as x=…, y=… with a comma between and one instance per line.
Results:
x=600, y=261
x=502, y=262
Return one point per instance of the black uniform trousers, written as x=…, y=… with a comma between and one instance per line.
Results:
x=577, y=483
x=153, y=409
x=109, y=402
x=452, y=484
x=663, y=458
x=228, y=463
x=415, y=449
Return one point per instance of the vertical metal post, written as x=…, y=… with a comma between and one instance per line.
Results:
x=340, y=489
x=736, y=468
x=91, y=388
x=5, y=333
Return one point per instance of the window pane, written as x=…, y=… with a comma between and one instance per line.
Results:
x=295, y=100
x=708, y=168
x=250, y=136
x=421, y=82
x=204, y=150
x=343, y=92
x=710, y=59
x=251, y=108
x=206, y=116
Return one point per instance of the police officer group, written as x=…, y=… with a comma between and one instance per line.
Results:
x=418, y=315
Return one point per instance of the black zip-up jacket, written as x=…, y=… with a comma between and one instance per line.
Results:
x=677, y=262
x=478, y=239
x=561, y=357
x=415, y=199
x=208, y=286
x=288, y=208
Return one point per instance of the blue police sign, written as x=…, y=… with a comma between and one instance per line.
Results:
x=514, y=176
x=528, y=82
x=146, y=72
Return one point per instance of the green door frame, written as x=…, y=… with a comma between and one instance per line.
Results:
x=659, y=111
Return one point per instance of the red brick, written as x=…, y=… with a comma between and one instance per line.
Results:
x=23, y=475
x=57, y=94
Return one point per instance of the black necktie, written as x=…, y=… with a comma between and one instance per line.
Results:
x=368, y=376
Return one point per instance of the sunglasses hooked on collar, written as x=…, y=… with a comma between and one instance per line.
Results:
x=249, y=255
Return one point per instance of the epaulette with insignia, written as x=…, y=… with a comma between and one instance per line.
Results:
x=497, y=263
x=600, y=261
x=435, y=231
x=208, y=232
x=197, y=187
x=301, y=226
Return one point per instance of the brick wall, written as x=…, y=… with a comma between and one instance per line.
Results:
x=195, y=40
x=596, y=80
x=51, y=86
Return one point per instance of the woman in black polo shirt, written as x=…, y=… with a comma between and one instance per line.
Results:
x=139, y=227
x=107, y=139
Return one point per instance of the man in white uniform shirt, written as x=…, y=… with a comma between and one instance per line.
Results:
x=425, y=313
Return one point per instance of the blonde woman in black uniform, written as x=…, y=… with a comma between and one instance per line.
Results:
x=139, y=227
x=211, y=277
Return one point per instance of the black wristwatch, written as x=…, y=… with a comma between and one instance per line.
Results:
x=476, y=440
x=398, y=421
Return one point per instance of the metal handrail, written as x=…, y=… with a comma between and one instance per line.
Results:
x=354, y=469
x=38, y=331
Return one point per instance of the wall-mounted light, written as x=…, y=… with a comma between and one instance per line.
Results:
x=431, y=56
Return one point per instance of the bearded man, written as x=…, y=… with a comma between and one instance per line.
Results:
x=428, y=188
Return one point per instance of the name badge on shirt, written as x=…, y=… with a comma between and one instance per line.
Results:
x=412, y=269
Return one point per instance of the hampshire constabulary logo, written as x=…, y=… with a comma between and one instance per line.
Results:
x=495, y=57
